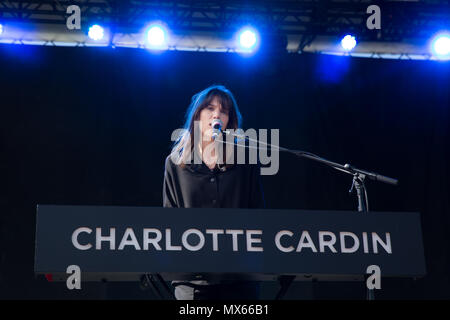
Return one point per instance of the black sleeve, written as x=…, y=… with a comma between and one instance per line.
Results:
x=169, y=198
x=257, y=193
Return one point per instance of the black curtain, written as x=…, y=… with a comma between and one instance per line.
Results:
x=92, y=126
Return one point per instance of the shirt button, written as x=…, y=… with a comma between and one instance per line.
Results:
x=212, y=179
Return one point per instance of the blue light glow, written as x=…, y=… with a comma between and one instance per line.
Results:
x=157, y=36
x=248, y=39
x=96, y=32
x=441, y=45
x=348, y=42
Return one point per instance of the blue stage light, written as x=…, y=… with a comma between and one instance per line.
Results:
x=157, y=36
x=441, y=45
x=96, y=32
x=248, y=39
x=348, y=42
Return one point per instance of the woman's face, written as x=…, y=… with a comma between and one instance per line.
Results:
x=212, y=111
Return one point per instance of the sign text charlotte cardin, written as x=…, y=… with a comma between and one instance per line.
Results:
x=244, y=240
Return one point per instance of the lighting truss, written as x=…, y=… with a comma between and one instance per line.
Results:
x=405, y=24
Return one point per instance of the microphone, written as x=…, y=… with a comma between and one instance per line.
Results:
x=217, y=128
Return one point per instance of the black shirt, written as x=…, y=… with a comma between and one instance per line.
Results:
x=197, y=186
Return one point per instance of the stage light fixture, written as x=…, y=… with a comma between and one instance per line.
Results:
x=156, y=35
x=248, y=38
x=1, y=28
x=441, y=45
x=348, y=42
x=96, y=32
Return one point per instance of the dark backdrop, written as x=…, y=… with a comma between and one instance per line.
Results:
x=92, y=126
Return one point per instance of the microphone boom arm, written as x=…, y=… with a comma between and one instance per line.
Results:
x=347, y=168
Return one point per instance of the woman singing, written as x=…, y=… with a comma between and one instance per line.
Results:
x=199, y=174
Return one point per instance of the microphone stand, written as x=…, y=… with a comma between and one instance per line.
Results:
x=359, y=176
